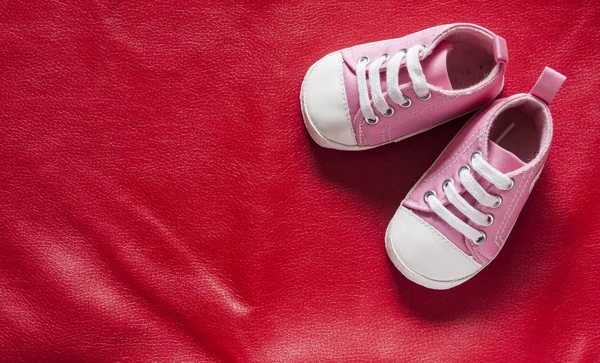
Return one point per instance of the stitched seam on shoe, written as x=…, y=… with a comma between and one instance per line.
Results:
x=437, y=233
x=515, y=197
x=512, y=207
x=513, y=203
x=430, y=106
x=362, y=134
x=478, y=254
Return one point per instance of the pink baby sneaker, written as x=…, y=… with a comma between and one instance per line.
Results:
x=456, y=219
x=372, y=94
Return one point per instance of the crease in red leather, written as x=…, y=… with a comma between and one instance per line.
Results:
x=161, y=200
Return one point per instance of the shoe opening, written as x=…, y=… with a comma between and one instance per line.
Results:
x=519, y=127
x=471, y=58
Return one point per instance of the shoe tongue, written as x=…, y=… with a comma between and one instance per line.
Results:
x=502, y=159
x=435, y=66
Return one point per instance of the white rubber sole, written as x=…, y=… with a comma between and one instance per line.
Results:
x=415, y=277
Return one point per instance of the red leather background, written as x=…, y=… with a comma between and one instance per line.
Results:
x=161, y=200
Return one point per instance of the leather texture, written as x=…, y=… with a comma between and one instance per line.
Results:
x=161, y=199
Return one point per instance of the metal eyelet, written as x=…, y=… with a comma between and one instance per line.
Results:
x=389, y=112
x=385, y=56
x=512, y=184
x=498, y=203
x=446, y=183
x=464, y=167
x=372, y=121
x=426, y=97
x=428, y=194
x=407, y=103
x=490, y=220
x=364, y=59
x=480, y=240
x=476, y=153
x=422, y=51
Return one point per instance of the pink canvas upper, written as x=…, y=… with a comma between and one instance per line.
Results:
x=475, y=136
x=444, y=104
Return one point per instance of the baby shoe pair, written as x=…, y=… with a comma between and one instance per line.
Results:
x=457, y=217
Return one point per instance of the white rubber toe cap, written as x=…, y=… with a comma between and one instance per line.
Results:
x=324, y=103
x=424, y=255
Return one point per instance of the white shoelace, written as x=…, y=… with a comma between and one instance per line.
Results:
x=415, y=72
x=489, y=173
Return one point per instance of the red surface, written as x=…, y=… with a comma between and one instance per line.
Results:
x=161, y=200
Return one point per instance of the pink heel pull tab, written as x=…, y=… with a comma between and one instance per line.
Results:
x=548, y=85
x=500, y=50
